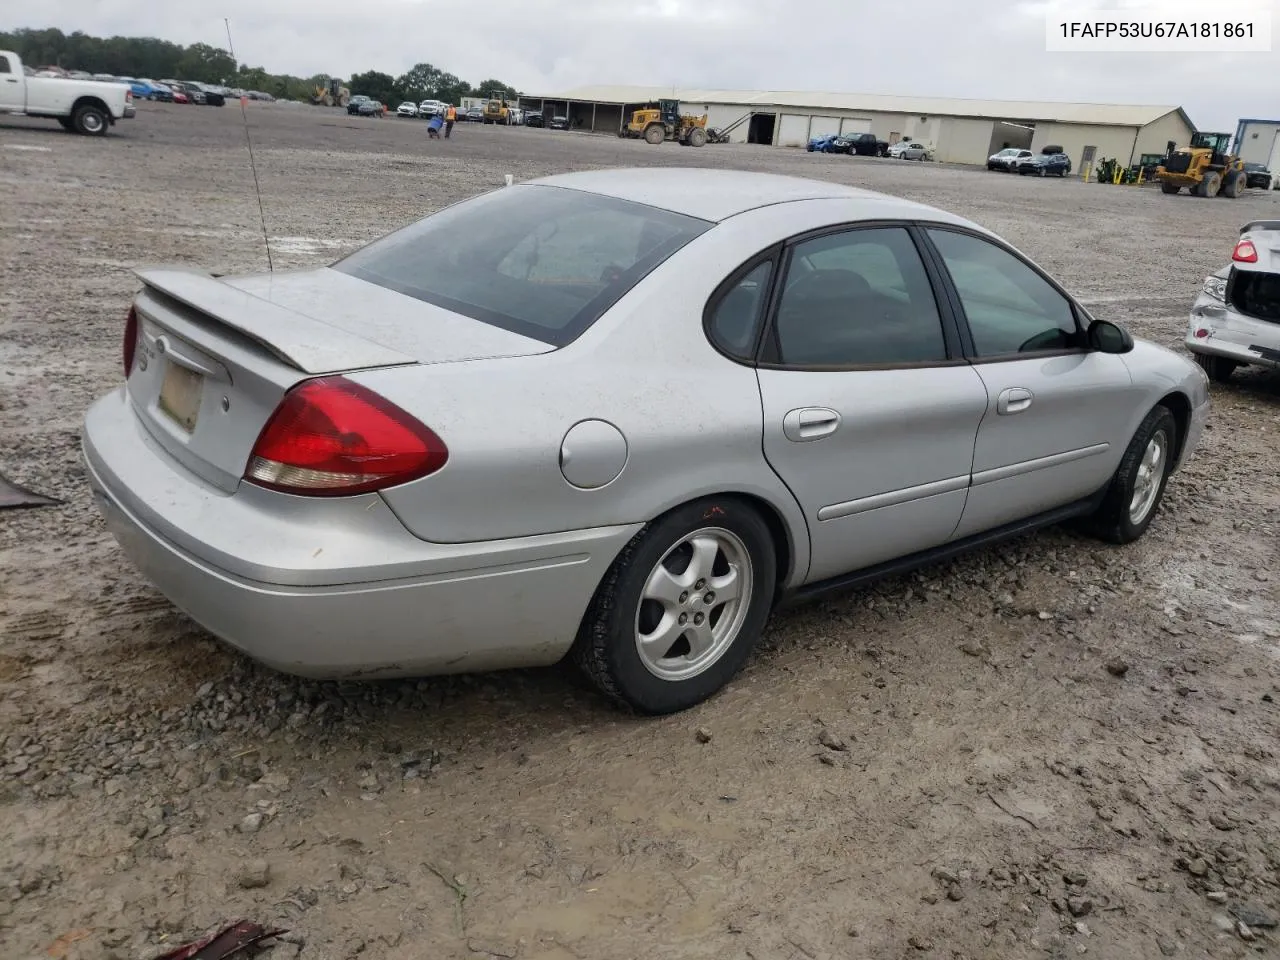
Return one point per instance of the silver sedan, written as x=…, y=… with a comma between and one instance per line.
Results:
x=614, y=415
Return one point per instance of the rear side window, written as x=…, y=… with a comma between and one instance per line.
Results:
x=1256, y=294
x=541, y=261
x=735, y=317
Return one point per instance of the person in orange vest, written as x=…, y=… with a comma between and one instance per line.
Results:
x=450, y=115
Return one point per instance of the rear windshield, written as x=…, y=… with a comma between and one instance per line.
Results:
x=541, y=261
x=1256, y=294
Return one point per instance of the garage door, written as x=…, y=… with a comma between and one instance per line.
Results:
x=821, y=126
x=853, y=125
x=794, y=131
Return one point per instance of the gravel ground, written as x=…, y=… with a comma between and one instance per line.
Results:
x=1047, y=749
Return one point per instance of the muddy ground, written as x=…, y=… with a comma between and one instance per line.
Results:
x=1048, y=749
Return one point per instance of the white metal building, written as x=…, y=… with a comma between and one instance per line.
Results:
x=1258, y=141
x=960, y=131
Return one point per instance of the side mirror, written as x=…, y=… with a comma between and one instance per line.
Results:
x=1108, y=337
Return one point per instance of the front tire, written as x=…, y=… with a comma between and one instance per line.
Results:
x=1139, y=482
x=1218, y=369
x=681, y=608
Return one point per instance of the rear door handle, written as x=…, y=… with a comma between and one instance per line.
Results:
x=1013, y=400
x=810, y=423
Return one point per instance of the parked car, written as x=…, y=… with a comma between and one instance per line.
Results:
x=157, y=91
x=1257, y=175
x=475, y=115
x=407, y=109
x=89, y=107
x=353, y=105
x=864, y=384
x=1008, y=159
x=909, y=150
x=193, y=91
x=179, y=95
x=559, y=123
x=1046, y=165
x=213, y=96
x=535, y=120
x=370, y=108
x=1235, y=320
x=862, y=144
x=823, y=143
x=429, y=108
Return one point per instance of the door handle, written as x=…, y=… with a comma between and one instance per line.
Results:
x=1013, y=400
x=810, y=423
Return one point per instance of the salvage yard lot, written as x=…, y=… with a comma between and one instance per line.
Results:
x=1041, y=749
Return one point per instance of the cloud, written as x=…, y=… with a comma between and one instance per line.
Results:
x=985, y=49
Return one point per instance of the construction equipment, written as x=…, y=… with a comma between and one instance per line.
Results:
x=332, y=94
x=1205, y=167
x=496, y=109
x=721, y=134
x=662, y=121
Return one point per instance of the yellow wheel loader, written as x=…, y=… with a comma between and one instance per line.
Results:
x=334, y=94
x=1205, y=168
x=663, y=121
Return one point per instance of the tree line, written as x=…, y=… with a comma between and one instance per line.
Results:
x=156, y=59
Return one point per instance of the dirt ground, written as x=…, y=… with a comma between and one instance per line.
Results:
x=1048, y=749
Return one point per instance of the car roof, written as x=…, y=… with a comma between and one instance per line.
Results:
x=716, y=195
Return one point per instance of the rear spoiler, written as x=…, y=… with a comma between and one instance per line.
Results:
x=291, y=336
x=1260, y=225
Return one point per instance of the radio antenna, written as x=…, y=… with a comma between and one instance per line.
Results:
x=244, y=115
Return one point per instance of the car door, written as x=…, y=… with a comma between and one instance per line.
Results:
x=870, y=412
x=1050, y=433
x=13, y=94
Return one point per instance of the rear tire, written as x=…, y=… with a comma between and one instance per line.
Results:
x=89, y=121
x=1169, y=188
x=1138, y=484
x=1218, y=369
x=644, y=594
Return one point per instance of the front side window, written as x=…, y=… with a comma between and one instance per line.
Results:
x=858, y=298
x=541, y=261
x=1009, y=306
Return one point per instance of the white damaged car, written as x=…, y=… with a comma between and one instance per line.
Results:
x=1235, y=321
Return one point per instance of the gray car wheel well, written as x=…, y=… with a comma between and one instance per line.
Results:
x=784, y=553
x=1180, y=406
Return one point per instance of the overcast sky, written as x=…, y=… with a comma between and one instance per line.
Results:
x=988, y=49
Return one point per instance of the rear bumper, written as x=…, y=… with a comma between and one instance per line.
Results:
x=1232, y=335
x=336, y=589
x=130, y=111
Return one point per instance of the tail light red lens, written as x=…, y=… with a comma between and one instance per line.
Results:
x=130, y=340
x=331, y=437
x=1245, y=252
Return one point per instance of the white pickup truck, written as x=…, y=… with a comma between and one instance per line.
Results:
x=81, y=106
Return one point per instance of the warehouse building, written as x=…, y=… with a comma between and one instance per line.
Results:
x=1258, y=141
x=960, y=131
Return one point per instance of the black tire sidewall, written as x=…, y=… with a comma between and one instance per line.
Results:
x=77, y=121
x=1116, y=508
x=613, y=626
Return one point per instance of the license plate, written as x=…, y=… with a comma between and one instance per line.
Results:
x=180, y=395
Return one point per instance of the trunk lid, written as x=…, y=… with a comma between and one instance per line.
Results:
x=214, y=357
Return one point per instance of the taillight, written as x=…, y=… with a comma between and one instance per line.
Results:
x=331, y=437
x=1245, y=252
x=130, y=340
